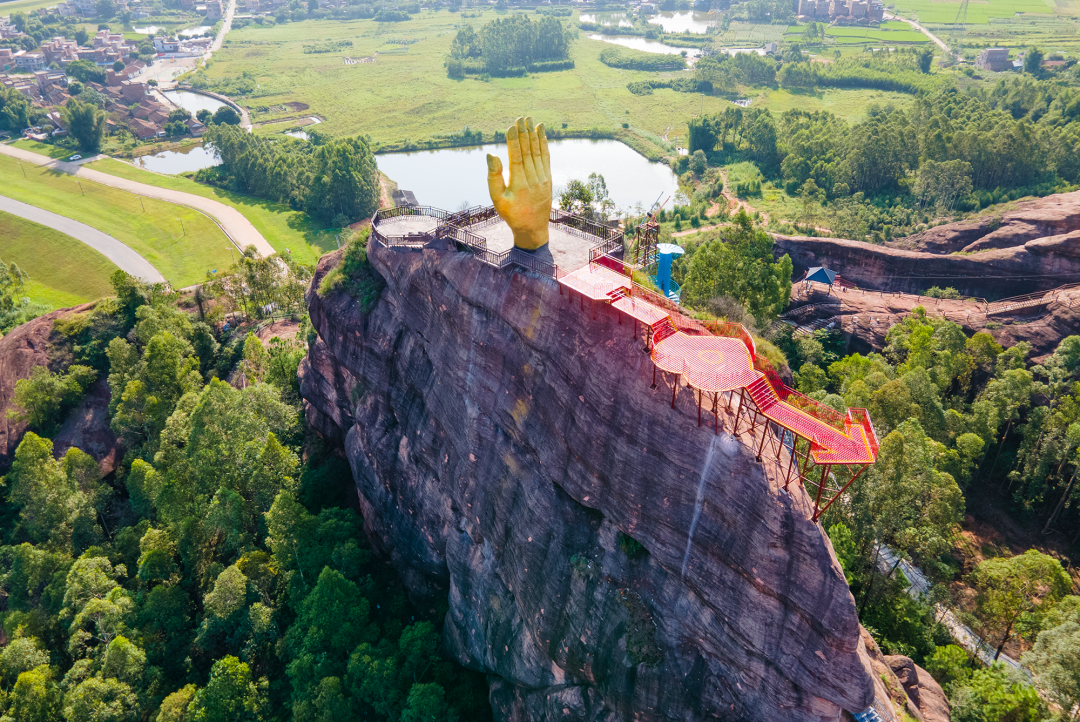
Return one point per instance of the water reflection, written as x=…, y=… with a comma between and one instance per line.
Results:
x=191, y=158
x=453, y=177
x=148, y=30
x=685, y=22
x=607, y=19
x=193, y=102
x=646, y=45
x=200, y=30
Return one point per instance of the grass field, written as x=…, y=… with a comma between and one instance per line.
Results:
x=944, y=11
x=52, y=151
x=407, y=96
x=281, y=226
x=63, y=271
x=24, y=6
x=180, y=242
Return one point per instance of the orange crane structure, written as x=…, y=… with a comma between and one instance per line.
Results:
x=719, y=362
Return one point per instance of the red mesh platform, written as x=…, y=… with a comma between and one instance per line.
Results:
x=709, y=363
x=643, y=311
x=595, y=282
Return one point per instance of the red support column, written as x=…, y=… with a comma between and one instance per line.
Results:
x=850, y=482
x=699, y=408
x=764, y=436
x=674, y=388
x=738, y=413
x=821, y=487
x=653, y=376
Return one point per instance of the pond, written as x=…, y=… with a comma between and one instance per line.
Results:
x=607, y=19
x=685, y=22
x=455, y=177
x=648, y=46
x=201, y=30
x=736, y=51
x=302, y=134
x=193, y=102
x=148, y=30
x=191, y=158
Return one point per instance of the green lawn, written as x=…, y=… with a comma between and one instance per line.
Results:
x=24, y=6
x=849, y=104
x=63, y=271
x=53, y=151
x=406, y=95
x=180, y=242
x=281, y=226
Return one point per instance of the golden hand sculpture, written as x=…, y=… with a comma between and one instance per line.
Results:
x=525, y=204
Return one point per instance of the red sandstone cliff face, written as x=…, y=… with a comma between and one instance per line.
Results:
x=1032, y=248
x=502, y=441
x=32, y=344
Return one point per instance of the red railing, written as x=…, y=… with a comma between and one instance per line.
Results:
x=860, y=416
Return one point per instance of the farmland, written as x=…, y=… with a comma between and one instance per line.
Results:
x=405, y=96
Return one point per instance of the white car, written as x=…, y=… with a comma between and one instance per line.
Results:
x=75, y=157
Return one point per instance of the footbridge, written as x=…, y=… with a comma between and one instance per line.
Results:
x=719, y=362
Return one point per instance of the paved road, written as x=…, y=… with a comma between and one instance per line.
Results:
x=236, y=226
x=123, y=256
x=919, y=586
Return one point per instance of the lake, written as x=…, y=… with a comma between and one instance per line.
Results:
x=454, y=177
x=649, y=46
x=191, y=158
x=201, y=30
x=148, y=30
x=193, y=102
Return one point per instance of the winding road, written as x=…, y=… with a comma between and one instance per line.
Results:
x=231, y=221
x=123, y=256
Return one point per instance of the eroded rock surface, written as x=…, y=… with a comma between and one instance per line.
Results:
x=923, y=691
x=1034, y=247
x=22, y=349
x=506, y=446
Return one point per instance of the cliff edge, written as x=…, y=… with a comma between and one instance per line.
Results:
x=604, y=558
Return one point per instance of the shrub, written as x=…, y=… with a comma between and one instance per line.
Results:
x=628, y=59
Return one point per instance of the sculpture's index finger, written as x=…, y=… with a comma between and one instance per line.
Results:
x=545, y=156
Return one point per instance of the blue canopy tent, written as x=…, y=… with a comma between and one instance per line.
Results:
x=819, y=274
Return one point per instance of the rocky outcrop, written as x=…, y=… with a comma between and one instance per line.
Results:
x=603, y=557
x=87, y=429
x=1050, y=216
x=25, y=347
x=923, y=691
x=1034, y=247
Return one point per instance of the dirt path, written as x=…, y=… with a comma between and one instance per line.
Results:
x=734, y=204
x=940, y=43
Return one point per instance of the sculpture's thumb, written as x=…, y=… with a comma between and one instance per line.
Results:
x=496, y=184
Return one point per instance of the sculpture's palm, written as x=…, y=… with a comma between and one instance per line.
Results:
x=525, y=204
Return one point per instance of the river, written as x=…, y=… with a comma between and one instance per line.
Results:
x=455, y=177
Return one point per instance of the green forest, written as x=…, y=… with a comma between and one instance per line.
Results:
x=335, y=181
x=957, y=416
x=511, y=46
x=221, y=573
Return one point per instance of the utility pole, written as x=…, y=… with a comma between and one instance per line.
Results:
x=81, y=188
x=142, y=204
x=22, y=169
x=182, y=226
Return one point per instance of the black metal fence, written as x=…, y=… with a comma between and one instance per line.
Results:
x=456, y=227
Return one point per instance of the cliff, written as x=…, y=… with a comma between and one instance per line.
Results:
x=1034, y=247
x=35, y=343
x=509, y=456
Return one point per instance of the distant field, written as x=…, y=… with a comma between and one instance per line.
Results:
x=1052, y=34
x=180, y=242
x=63, y=271
x=281, y=226
x=407, y=96
x=940, y=11
x=849, y=104
x=906, y=35
x=24, y=6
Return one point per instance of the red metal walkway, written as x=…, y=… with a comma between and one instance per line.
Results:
x=724, y=359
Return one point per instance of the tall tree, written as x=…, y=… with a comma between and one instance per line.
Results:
x=86, y=123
